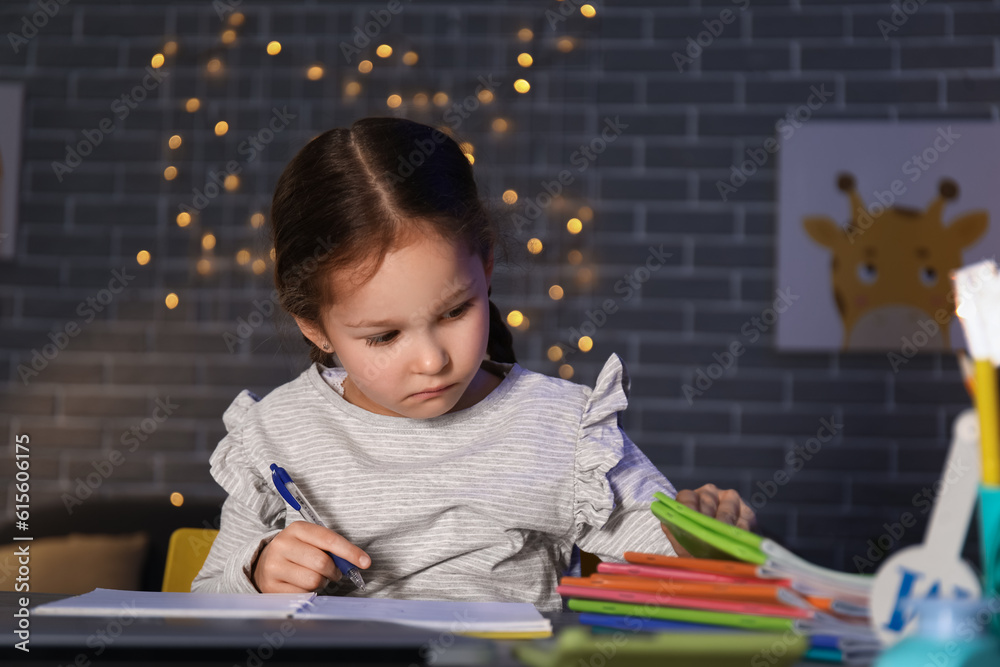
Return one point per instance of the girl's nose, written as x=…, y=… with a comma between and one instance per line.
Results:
x=432, y=357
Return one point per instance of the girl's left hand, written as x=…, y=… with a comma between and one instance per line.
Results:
x=724, y=505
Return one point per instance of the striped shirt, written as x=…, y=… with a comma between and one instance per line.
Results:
x=484, y=503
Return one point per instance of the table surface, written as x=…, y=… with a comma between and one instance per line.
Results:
x=85, y=641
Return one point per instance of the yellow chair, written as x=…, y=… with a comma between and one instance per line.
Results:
x=186, y=553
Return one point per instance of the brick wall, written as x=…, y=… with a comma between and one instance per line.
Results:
x=651, y=186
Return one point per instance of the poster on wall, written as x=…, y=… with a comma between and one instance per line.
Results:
x=11, y=100
x=872, y=218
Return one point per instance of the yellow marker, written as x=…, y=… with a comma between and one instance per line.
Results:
x=989, y=429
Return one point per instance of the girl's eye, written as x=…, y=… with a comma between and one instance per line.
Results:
x=928, y=276
x=381, y=339
x=458, y=312
x=867, y=273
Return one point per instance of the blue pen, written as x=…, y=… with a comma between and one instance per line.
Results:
x=286, y=487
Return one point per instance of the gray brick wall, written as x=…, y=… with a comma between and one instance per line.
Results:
x=653, y=186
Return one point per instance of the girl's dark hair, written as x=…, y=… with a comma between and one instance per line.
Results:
x=350, y=195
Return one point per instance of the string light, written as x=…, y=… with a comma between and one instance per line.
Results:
x=204, y=266
x=556, y=292
x=273, y=48
x=574, y=226
x=410, y=58
x=515, y=318
x=365, y=66
x=588, y=11
x=221, y=128
x=143, y=257
x=485, y=96
x=393, y=101
x=509, y=197
x=522, y=86
x=525, y=60
x=383, y=51
x=314, y=73
x=257, y=220
x=243, y=257
x=236, y=18
x=258, y=266
x=440, y=99
x=157, y=60
x=208, y=241
x=565, y=371
x=192, y=105
x=421, y=99
x=586, y=343
x=585, y=213
x=499, y=125
x=171, y=301
x=228, y=36
x=352, y=88
x=555, y=353
x=214, y=66
x=231, y=183
x=183, y=219
x=565, y=44
x=575, y=257
x=175, y=141
x=525, y=34
x=534, y=246
x=170, y=48
x=176, y=499
x=170, y=173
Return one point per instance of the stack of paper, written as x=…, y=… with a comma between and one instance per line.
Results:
x=736, y=580
x=492, y=619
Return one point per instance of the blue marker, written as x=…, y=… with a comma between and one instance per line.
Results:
x=286, y=487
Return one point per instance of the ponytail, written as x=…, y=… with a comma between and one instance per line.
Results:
x=501, y=344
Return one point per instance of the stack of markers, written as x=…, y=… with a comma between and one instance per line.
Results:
x=737, y=581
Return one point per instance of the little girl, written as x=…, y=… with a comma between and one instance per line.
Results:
x=443, y=468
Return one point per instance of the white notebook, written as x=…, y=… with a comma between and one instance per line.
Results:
x=453, y=616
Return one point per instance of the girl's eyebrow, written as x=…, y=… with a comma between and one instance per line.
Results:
x=388, y=323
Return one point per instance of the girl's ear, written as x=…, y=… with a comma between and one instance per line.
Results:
x=312, y=332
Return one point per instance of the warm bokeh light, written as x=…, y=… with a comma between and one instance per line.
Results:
x=221, y=128
x=565, y=44
x=586, y=343
x=171, y=301
x=515, y=318
x=314, y=73
x=365, y=66
x=272, y=255
x=421, y=99
x=499, y=125
x=440, y=99
x=228, y=36
x=509, y=197
x=204, y=266
x=393, y=101
x=470, y=157
x=157, y=60
x=175, y=141
x=575, y=257
x=410, y=58
x=170, y=48
x=231, y=183
x=273, y=48
x=534, y=246
x=243, y=257
x=257, y=220
x=383, y=51
x=525, y=60
x=176, y=499
x=170, y=173
x=214, y=66
x=143, y=257
x=584, y=276
x=525, y=34
x=522, y=86
x=183, y=219
x=352, y=88
x=565, y=371
x=259, y=266
x=555, y=353
x=192, y=105
x=588, y=11
x=585, y=213
x=208, y=241
x=485, y=96
x=574, y=226
x=237, y=18
x=556, y=292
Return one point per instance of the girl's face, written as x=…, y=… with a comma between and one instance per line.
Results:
x=422, y=322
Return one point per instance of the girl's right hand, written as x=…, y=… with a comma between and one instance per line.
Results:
x=295, y=560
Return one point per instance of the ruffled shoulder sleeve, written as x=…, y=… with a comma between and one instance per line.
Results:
x=231, y=462
x=600, y=444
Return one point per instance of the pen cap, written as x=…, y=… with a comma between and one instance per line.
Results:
x=280, y=478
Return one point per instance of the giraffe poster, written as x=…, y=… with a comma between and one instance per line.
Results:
x=872, y=218
x=11, y=99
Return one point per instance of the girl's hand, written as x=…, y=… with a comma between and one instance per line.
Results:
x=295, y=560
x=726, y=506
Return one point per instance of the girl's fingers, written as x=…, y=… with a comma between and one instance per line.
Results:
x=689, y=498
x=729, y=509
x=328, y=540
x=748, y=518
x=708, y=499
x=303, y=579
